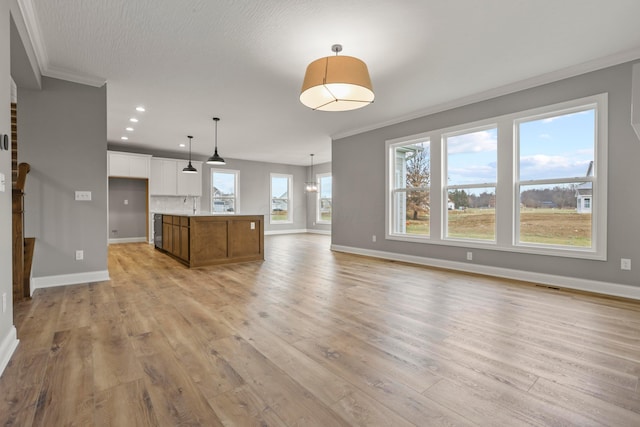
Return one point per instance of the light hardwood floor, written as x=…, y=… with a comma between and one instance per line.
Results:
x=314, y=338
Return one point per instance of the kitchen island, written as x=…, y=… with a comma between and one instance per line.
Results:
x=204, y=239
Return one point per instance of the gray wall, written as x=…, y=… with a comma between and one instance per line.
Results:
x=6, y=285
x=359, y=185
x=127, y=220
x=62, y=131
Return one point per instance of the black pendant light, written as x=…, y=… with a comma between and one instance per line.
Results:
x=215, y=159
x=190, y=168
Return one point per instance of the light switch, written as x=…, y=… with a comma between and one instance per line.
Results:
x=126, y=202
x=1, y=182
x=84, y=196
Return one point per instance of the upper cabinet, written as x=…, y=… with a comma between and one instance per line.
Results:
x=167, y=178
x=128, y=165
x=189, y=184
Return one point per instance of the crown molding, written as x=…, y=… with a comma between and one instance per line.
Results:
x=62, y=74
x=554, y=76
x=37, y=41
x=33, y=30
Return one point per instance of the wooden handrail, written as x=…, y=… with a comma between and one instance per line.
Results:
x=23, y=170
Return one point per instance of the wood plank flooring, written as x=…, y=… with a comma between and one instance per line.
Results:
x=314, y=338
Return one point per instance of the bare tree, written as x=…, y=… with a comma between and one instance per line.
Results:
x=418, y=176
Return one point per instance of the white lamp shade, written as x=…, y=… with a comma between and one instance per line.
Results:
x=337, y=83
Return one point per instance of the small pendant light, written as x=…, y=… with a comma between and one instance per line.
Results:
x=190, y=168
x=311, y=186
x=215, y=159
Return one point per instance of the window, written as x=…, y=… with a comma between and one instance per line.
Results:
x=471, y=171
x=531, y=182
x=410, y=180
x=556, y=176
x=281, y=204
x=323, y=204
x=224, y=191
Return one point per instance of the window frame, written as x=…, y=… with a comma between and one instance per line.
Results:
x=319, y=198
x=391, y=191
x=235, y=198
x=507, y=184
x=458, y=131
x=289, y=198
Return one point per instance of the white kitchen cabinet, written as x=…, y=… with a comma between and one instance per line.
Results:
x=163, y=181
x=128, y=165
x=189, y=184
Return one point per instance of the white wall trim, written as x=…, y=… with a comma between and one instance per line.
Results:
x=605, y=288
x=7, y=346
x=290, y=231
x=554, y=76
x=68, y=279
x=297, y=231
x=129, y=240
x=318, y=231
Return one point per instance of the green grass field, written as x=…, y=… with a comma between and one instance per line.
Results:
x=549, y=226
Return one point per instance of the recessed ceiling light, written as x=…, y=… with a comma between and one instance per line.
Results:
x=133, y=120
x=130, y=129
x=124, y=138
x=183, y=145
x=141, y=109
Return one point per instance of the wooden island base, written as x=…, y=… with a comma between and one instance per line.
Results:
x=199, y=240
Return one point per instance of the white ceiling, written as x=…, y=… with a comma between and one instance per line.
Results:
x=187, y=61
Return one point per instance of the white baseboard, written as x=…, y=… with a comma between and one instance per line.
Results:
x=316, y=231
x=68, y=279
x=290, y=231
x=605, y=288
x=128, y=240
x=297, y=231
x=7, y=346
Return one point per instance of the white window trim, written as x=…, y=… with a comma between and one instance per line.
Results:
x=319, y=177
x=506, y=212
x=236, y=202
x=390, y=187
x=457, y=131
x=289, y=219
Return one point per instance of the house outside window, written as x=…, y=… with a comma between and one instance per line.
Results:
x=281, y=203
x=324, y=206
x=224, y=191
x=410, y=178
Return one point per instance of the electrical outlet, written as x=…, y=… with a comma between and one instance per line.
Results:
x=126, y=202
x=469, y=256
x=79, y=255
x=373, y=238
x=625, y=264
x=253, y=225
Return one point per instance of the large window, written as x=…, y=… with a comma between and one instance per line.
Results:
x=224, y=191
x=532, y=182
x=556, y=153
x=323, y=205
x=281, y=203
x=410, y=187
x=471, y=171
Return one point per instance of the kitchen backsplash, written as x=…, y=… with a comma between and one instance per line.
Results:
x=177, y=204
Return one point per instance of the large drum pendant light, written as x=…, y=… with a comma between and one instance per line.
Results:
x=337, y=83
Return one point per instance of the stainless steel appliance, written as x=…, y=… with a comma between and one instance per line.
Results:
x=157, y=230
